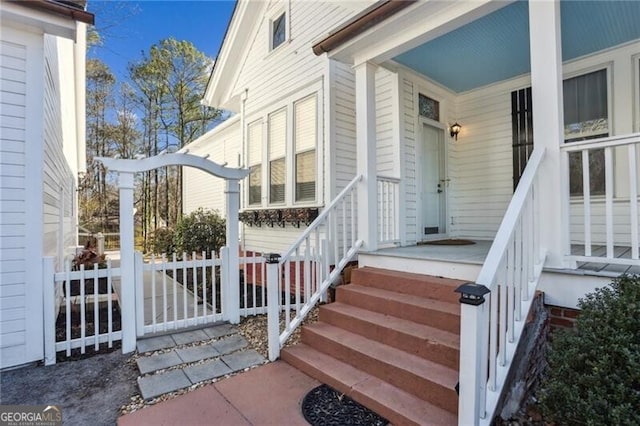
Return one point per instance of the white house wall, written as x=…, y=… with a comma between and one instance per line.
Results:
x=270, y=78
x=202, y=189
x=20, y=196
x=60, y=172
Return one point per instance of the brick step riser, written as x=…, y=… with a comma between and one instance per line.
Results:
x=430, y=350
x=412, y=383
x=422, y=287
x=433, y=318
x=394, y=417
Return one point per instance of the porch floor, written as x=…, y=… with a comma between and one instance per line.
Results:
x=476, y=254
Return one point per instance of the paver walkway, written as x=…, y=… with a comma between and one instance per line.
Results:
x=176, y=361
x=268, y=395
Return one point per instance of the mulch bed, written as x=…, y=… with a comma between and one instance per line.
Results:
x=324, y=406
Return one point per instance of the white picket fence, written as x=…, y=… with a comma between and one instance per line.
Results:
x=163, y=304
x=83, y=309
x=76, y=300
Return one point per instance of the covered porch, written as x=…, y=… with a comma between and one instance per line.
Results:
x=566, y=72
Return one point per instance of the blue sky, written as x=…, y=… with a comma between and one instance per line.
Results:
x=129, y=27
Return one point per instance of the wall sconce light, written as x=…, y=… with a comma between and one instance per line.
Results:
x=454, y=130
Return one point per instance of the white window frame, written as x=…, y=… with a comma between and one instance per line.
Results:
x=249, y=205
x=287, y=101
x=284, y=110
x=295, y=152
x=281, y=10
x=608, y=66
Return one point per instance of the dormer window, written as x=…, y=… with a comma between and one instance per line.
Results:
x=278, y=30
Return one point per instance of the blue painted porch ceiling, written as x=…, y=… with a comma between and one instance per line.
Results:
x=496, y=47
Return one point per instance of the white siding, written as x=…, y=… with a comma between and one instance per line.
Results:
x=59, y=191
x=409, y=118
x=270, y=76
x=200, y=188
x=344, y=146
x=387, y=152
x=480, y=163
x=13, y=86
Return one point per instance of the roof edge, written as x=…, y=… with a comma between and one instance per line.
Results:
x=355, y=26
x=58, y=8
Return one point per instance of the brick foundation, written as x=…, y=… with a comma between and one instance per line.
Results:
x=560, y=317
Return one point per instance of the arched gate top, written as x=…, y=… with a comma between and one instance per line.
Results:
x=176, y=159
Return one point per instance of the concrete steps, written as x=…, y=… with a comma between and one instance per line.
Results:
x=390, y=342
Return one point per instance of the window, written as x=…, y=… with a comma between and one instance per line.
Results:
x=305, y=134
x=586, y=116
x=277, y=149
x=278, y=30
x=428, y=107
x=255, y=160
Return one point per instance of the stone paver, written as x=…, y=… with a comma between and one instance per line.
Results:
x=158, y=362
x=155, y=343
x=206, y=371
x=220, y=330
x=190, y=337
x=241, y=360
x=197, y=353
x=158, y=384
x=230, y=344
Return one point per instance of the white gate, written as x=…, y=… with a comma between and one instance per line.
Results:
x=132, y=294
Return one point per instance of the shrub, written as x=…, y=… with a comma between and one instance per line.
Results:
x=594, y=370
x=201, y=230
x=163, y=241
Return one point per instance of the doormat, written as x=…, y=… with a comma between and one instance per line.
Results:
x=324, y=406
x=449, y=242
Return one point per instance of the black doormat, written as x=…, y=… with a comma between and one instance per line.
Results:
x=449, y=242
x=324, y=406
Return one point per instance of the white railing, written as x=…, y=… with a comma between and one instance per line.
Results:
x=388, y=210
x=183, y=292
x=81, y=309
x=609, y=221
x=330, y=240
x=490, y=331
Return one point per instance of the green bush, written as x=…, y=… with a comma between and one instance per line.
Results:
x=594, y=370
x=163, y=241
x=201, y=230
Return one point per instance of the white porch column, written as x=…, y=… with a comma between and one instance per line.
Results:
x=233, y=278
x=548, y=123
x=127, y=279
x=366, y=155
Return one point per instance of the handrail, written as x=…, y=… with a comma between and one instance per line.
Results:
x=491, y=330
x=609, y=141
x=300, y=279
x=321, y=217
x=511, y=216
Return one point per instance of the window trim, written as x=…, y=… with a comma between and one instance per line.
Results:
x=608, y=67
x=287, y=101
x=282, y=10
x=284, y=109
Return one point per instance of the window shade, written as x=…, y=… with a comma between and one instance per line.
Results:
x=277, y=134
x=306, y=176
x=255, y=143
x=277, y=181
x=305, y=124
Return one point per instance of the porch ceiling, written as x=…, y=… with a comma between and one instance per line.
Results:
x=496, y=46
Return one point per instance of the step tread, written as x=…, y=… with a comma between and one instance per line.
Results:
x=401, y=325
x=420, y=367
x=397, y=405
x=431, y=279
x=423, y=302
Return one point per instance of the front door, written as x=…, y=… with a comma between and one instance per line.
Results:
x=434, y=183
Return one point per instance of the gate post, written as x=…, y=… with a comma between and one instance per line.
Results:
x=127, y=278
x=232, y=282
x=49, y=283
x=139, y=285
